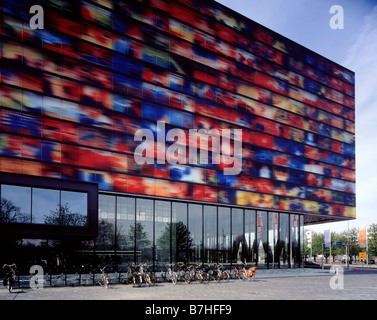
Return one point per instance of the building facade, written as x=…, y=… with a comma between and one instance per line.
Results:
x=79, y=189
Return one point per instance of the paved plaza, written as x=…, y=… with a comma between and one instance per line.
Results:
x=359, y=284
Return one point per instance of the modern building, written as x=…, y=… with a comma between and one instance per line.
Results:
x=77, y=87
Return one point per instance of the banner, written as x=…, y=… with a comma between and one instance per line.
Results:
x=327, y=238
x=363, y=237
x=309, y=238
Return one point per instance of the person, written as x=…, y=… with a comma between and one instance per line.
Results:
x=10, y=273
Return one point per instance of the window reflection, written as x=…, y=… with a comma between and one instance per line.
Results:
x=294, y=243
x=250, y=236
x=262, y=239
x=224, y=234
x=75, y=205
x=181, y=237
x=162, y=233
x=238, y=238
x=195, y=228
x=126, y=229
x=15, y=204
x=106, y=223
x=273, y=233
x=144, y=230
x=43, y=206
x=46, y=207
x=283, y=249
x=210, y=234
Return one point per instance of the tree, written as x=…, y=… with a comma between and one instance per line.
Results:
x=9, y=212
x=63, y=216
x=372, y=239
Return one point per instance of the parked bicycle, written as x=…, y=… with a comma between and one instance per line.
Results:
x=196, y=273
x=10, y=276
x=239, y=273
x=219, y=274
x=103, y=278
x=170, y=274
x=148, y=276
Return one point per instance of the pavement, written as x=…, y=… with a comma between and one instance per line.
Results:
x=294, y=284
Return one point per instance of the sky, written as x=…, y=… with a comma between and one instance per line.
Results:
x=307, y=22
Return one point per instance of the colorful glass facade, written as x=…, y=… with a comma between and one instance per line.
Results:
x=74, y=93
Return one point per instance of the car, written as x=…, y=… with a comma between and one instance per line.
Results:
x=311, y=264
x=370, y=261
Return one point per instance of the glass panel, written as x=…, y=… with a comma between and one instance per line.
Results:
x=15, y=204
x=46, y=207
x=238, y=239
x=74, y=208
x=273, y=234
x=162, y=233
x=262, y=238
x=181, y=238
x=301, y=239
x=195, y=229
x=126, y=229
x=223, y=233
x=210, y=234
x=144, y=230
x=295, y=248
x=250, y=236
x=283, y=249
x=106, y=223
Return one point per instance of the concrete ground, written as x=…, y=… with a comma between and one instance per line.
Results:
x=304, y=284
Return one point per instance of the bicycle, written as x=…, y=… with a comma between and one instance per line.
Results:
x=219, y=274
x=103, y=278
x=135, y=275
x=145, y=274
x=239, y=273
x=10, y=276
x=171, y=275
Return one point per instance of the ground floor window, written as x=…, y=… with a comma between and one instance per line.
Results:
x=159, y=232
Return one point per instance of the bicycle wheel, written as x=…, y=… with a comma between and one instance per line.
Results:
x=198, y=277
x=225, y=276
x=168, y=275
x=148, y=280
x=100, y=280
x=187, y=277
x=206, y=277
x=140, y=280
x=175, y=278
x=9, y=285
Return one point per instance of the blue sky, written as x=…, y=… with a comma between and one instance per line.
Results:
x=354, y=47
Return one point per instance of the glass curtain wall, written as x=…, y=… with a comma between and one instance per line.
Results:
x=262, y=238
x=283, y=249
x=294, y=241
x=196, y=231
x=210, y=234
x=159, y=232
x=238, y=236
x=181, y=239
x=223, y=232
x=125, y=230
x=273, y=238
x=250, y=236
x=162, y=233
x=144, y=231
